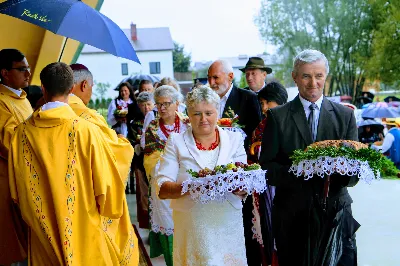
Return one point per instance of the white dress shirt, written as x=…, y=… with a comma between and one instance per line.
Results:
x=223, y=101
x=306, y=105
x=52, y=105
x=17, y=92
x=387, y=143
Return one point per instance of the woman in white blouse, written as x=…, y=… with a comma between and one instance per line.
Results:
x=124, y=99
x=169, y=121
x=205, y=234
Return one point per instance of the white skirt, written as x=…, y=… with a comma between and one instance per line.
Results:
x=209, y=234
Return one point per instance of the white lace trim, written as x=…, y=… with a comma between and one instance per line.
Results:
x=215, y=187
x=256, y=220
x=155, y=227
x=325, y=165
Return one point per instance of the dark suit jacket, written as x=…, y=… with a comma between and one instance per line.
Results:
x=287, y=130
x=245, y=104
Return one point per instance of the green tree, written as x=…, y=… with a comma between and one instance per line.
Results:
x=101, y=89
x=341, y=29
x=385, y=62
x=97, y=104
x=91, y=104
x=180, y=59
x=243, y=82
x=109, y=100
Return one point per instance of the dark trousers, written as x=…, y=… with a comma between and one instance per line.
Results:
x=290, y=231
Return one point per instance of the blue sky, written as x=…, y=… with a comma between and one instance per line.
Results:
x=207, y=28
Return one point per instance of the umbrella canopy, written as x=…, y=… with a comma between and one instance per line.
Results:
x=135, y=80
x=380, y=112
x=369, y=122
x=394, y=104
x=73, y=19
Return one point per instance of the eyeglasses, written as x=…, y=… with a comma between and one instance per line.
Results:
x=21, y=69
x=165, y=104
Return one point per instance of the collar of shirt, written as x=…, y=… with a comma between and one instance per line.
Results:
x=306, y=104
x=52, y=105
x=226, y=96
x=261, y=88
x=17, y=92
x=223, y=101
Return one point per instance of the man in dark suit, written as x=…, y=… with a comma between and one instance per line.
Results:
x=245, y=104
x=256, y=72
x=308, y=118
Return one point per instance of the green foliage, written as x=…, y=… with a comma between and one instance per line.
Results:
x=341, y=29
x=97, y=103
x=222, y=169
x=101, y=89
x=389, y=169
x=375, y=159
x=385, y=62
x=91, y=104
x=180, y=59
x=243, y=82
x=109, y=100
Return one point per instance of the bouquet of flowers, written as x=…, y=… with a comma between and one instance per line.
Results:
x=345, y=157
x=214, y=184
x=120, y=112
x=231, y=120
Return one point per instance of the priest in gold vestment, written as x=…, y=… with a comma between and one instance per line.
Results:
x=14, y=109
x=65, y=178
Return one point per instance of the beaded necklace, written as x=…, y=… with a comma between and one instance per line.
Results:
x=213, y=146
x=167, y=131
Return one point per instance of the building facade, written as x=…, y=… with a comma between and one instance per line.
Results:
x=154, y=48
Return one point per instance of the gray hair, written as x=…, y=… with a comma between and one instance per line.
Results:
x=226, y=66
x=81, y=75
x=309, y=56
x=145, y=96
x=167, y=91
x=203, y=94
x=171, y=82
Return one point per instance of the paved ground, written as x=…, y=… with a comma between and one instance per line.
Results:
x=376, y=207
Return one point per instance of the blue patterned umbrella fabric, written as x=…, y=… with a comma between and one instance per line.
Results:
x=73, y=19
x=380, y=112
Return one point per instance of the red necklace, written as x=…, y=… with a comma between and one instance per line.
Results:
x=213, y=146
x=167, y=131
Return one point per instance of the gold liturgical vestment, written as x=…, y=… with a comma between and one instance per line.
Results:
x=14, y=110
x=121, y=147
x=65, y=178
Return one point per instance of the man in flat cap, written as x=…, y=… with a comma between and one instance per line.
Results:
x=256, y=71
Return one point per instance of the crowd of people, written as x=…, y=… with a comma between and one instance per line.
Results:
x=65, y=169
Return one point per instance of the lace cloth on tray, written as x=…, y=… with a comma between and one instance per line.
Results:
x=325, y=165
x=215, y=187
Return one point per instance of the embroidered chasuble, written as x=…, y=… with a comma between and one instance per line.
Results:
x=14, y=110
x=65, y=179
x=121, y=147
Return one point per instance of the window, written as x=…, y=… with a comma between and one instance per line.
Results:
x=124, y=69
x=155, y=68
